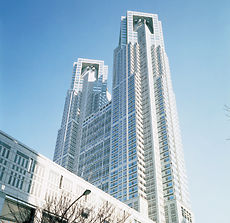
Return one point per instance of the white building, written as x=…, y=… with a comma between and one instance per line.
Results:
x=147, y=163
x=145, y=168
x=28, y=178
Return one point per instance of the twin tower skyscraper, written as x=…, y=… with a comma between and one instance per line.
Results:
x=128, y=145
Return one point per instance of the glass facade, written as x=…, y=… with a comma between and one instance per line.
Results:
x=94, y=158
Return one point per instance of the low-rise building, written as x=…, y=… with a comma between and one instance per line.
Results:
x=30, y=182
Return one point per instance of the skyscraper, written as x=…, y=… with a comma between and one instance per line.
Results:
x=129, y=147
x=87, y=94
x=146, y=149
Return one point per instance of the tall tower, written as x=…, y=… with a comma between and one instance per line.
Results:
x=87, y=94
x=147, y=164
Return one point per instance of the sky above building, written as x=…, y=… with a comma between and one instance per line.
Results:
x=40, y=40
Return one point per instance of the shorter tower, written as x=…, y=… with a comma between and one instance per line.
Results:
x=87, y=94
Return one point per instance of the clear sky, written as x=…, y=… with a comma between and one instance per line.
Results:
x=39, y=41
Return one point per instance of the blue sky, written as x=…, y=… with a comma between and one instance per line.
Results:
x=39, y=41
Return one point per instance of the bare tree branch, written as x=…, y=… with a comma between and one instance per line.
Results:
x=61, y=209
